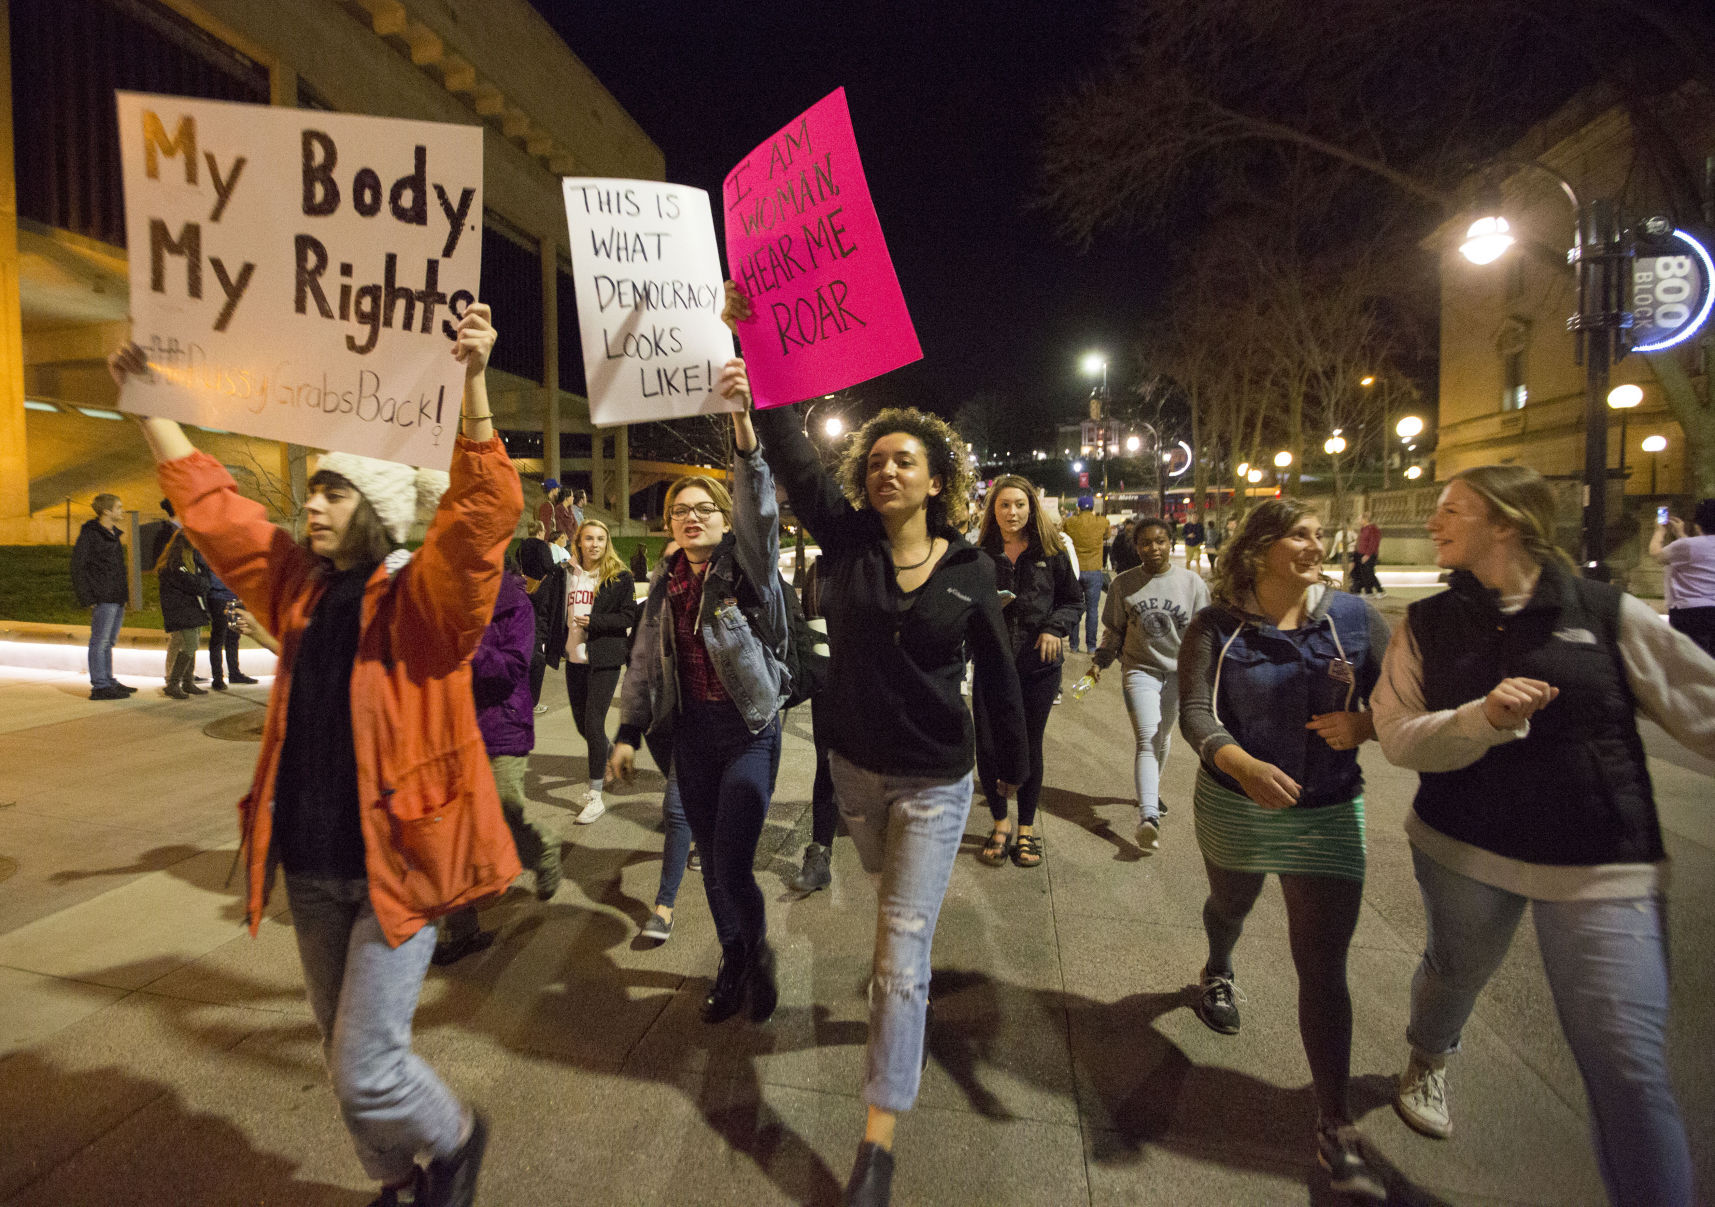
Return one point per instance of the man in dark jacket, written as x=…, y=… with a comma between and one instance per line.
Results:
x=184, y=588
x=99, y=579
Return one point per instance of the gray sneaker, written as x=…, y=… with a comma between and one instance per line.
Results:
x=1339, y=1150
x=815, y=873
x=1217, y=1004
x=658, y=929
x=1149, y=835
x=1421, y=1098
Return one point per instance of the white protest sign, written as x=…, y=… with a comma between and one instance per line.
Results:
x=649, y=287
x=298, y=275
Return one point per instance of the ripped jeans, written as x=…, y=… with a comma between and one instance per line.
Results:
x=907, y=830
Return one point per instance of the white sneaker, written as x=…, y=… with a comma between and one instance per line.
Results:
x=593, y=808
x=1421, y=1098
x=1149, y=836
x=540, y=709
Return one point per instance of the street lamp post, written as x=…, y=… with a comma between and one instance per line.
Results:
x=1653, y=445
x=1598, y=255
x=1094, y=363
x=1623, y=398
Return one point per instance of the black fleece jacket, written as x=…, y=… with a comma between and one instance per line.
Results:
x=892, y=703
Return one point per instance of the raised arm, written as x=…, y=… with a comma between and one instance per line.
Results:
x=756, y=512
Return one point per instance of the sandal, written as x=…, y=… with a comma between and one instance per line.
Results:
x=995, y=849
x=1027, y=850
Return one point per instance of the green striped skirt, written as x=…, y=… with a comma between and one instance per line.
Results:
x=1236, y=833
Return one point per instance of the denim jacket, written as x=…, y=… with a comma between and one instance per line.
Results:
x=745, y=632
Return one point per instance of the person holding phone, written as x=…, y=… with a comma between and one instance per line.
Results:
x=1687, y=557
x=1041, y=601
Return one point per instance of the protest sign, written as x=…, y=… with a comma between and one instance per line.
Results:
x=803, y=241
x=299, y=275
x=649, y=290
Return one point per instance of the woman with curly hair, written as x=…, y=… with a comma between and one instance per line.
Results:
x=1274, y=678
x=1032, y=564
x=601, y=607
x=904, y=596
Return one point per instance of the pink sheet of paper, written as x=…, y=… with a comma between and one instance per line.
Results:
x=803, y=241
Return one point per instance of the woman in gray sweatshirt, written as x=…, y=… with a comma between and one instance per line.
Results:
x=1148, y=610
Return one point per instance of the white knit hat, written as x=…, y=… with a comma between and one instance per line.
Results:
x=400, y=494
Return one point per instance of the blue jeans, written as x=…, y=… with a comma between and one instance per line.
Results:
x=676, y=850
x=726, y=779
x=1154, y=705
x=104, y=622
x=1606, y=961
x=907, y=830
x=1092, y=581
x=364, y=994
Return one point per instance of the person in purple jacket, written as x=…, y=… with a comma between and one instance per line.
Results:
x=500, y=679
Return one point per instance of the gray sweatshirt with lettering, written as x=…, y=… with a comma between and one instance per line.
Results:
x=1144, y=618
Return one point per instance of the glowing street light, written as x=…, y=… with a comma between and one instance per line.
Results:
x=1255, y=475
x=1654, y=444
x=1625, y=397
x=1094, y=363
x=1414, y=472
x=834, y=426
x=1282, y=459
x=1244, y=469
x=1334, y=445
x=1077, y=467
x=1409, y=427
x=1132, y=444
x=1369, y=379
x=1487, y=240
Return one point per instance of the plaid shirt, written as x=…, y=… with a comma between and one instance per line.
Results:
x=697, y=678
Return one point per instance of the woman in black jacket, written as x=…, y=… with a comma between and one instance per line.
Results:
x=545, y=581
x=600, y=608
x=1033, y=565
x=184, y=579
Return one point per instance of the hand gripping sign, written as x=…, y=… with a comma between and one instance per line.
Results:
x=299, y=275
x=648, y=281
x=803, y=241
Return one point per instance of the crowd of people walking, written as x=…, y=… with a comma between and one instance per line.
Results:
x=1514, y=693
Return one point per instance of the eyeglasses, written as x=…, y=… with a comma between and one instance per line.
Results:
x=682, y=511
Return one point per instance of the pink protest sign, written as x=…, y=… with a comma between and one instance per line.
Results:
x=803, y=241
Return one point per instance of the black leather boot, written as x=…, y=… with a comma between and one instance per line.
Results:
x=764, y=992
x=726, y=995
x=871, y=1183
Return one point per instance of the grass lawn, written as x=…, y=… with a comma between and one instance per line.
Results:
x=35, y=584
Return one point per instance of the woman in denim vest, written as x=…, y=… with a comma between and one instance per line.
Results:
x=708, y=664
x=1274, y=677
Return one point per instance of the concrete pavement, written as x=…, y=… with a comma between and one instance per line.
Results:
x=154, y=1054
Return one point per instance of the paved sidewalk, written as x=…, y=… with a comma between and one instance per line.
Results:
x=154, y=1054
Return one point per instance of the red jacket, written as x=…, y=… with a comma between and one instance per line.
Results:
x=1369, y=540
x=434, y=836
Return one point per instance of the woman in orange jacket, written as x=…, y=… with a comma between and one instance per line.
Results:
x=372, y=787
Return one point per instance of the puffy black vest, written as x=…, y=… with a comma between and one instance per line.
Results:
x=1576, y=789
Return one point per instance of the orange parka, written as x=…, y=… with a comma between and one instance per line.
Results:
x=434, y=836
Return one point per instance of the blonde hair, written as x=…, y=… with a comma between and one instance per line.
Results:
x=1242, y=557
x=1522, y=499
x=611, y=567
x=718, y=495
x=537, y=530
x=1039, y=525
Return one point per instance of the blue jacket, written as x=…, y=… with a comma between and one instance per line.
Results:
x=746, y=640
x=1243, y=680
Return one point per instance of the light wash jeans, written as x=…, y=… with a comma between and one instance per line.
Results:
x=1606, y=961
x=104, y=622
x=1092, y=581
x=1154, y=705
x=364, y=994
x=907, y=831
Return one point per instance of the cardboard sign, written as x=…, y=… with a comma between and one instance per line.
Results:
x=804, y=242
x=650, y=293
x=299, y=275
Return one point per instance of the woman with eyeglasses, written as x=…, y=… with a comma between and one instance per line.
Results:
x=708, y=666
x=601, y=607
x=905, y=598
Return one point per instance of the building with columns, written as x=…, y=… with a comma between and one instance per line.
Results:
x=63, y=269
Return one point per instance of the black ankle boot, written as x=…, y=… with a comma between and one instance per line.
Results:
x=726, y=995
x=871, y=1183
x=764, y=991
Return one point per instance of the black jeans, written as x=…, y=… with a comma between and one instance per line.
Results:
x=1321, y=917
x=1039, y=686
x=538, y=668
x=726, y=779
x=221, y=637
x=1697, y=624
x=591, y=691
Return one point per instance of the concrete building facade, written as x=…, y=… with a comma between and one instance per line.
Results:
x=63, y=268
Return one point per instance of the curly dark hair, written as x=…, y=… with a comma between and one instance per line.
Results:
x=947, y=461
x=1241, y=558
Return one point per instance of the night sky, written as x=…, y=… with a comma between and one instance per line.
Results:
x=947, y=102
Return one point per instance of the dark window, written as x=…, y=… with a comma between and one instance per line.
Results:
x=571, y=336
x=68, y=58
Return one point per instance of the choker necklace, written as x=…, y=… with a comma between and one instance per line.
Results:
x=916, y=564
